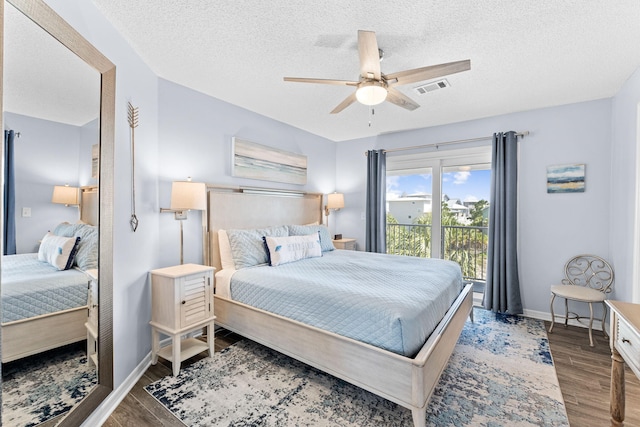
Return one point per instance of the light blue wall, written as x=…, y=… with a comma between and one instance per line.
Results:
x=552, y=227
x=195, y=140
x=46, y=154
x=624, y=188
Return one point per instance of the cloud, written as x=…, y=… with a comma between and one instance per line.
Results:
x=461, y=177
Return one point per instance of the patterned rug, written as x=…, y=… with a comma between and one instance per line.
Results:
x=501, y=374
x=38, y=388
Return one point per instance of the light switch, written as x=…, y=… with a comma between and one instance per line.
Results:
x=26, y=212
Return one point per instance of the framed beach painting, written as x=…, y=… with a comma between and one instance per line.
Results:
x=565, y=178
x=257, y=161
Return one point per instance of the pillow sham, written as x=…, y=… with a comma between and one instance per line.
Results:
x=247, y=246
x=283, y=250
x=87, y=256
x=325, y=239
x=66, y=230
x=58, y=251
x=226, y=257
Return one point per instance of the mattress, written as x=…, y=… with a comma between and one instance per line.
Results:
x=392, y=302
x=32, y=288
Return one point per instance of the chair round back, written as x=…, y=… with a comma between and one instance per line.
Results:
x=589, y=270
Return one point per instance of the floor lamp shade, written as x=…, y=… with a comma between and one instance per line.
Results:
x=65, y=195
x=187, y=195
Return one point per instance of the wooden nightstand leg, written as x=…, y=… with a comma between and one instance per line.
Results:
x=176, y=355
x=211, y=338
x=155, y=345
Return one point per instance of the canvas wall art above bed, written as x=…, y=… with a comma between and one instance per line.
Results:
x=44, y=294
x=344, y=312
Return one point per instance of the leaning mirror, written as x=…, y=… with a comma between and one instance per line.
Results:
x=56, y=284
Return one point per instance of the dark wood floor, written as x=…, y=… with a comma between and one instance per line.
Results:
x=583, y=374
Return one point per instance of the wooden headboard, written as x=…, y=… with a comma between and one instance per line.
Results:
x=89, y=202
x=232, y=208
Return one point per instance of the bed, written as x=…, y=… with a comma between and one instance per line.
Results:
x=408, y=376
x=43, y=306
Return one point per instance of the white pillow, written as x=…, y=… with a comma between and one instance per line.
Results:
x=292, y=248
x=58, y=251
x=226, y=256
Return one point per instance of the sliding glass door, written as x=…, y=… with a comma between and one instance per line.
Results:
x=438, y=206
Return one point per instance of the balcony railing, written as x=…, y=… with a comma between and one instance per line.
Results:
x=466, y=245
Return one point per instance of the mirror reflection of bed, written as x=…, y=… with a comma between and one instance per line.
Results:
x=50, y=286
x=44, y=294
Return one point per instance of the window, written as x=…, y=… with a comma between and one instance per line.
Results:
x=438, y=206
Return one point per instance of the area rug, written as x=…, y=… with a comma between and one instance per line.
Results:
x=501, y=374
x=38, y=388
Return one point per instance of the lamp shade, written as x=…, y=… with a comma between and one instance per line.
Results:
x=335, y=201
x=371, y=93
x=186, y=195
x=65, y=195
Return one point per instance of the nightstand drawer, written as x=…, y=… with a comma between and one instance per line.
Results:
x=628, y=343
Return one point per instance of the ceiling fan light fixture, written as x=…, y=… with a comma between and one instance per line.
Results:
x=371, y=93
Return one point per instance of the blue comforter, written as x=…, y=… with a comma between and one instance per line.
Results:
x=32, y=288
x=392, y=302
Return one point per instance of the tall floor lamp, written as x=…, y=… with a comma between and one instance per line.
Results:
x=186, y=196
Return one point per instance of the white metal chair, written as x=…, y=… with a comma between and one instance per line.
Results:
x=588, y=279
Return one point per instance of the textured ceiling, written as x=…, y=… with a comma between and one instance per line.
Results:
x=524, y=54
x=44, y=79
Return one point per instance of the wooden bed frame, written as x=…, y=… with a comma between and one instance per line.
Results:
x=34, y=335
x=405, y=381
x=26, y=337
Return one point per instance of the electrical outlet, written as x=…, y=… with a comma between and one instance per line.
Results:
x=26, y=212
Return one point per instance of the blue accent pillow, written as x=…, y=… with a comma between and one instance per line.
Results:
x=87, y=252
x=247, y=246
x=303, y=230
x=59, y=251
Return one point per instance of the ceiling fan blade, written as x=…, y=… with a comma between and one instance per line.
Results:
x=427, y=73
x=369, y=55
x=321, y=81
x=401, y=100
x=344, y=104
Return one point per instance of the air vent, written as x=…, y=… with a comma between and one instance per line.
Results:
x=433, y=86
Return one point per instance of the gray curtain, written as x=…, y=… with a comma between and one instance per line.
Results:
x=376, y=210
x=502, y=293
x=9, y=232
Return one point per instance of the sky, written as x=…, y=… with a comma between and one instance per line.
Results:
x=471, y=185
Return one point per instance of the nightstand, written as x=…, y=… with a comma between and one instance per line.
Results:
x=346, y=244
x=92, y=317
x=181, y=302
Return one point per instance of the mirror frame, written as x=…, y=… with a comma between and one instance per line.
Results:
x=46, y=18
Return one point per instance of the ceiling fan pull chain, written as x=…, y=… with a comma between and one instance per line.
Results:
x=371, y=113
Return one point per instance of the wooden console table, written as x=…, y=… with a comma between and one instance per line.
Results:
x=625, y=347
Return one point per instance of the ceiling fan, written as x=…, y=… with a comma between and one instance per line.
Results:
x=374, y=87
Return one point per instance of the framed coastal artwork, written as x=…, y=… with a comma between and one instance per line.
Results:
x=565, y=178
x=257, y=161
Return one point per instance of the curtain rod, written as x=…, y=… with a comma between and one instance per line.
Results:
x=438, y=144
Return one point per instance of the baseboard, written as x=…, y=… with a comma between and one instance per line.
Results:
x=104, y=410
x=542, y=315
